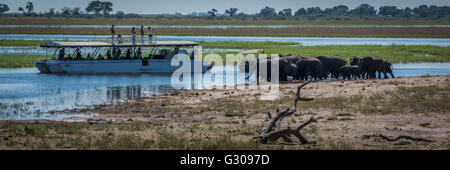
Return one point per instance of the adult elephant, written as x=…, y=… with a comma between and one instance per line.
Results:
x=363, y=63
x=331, y=65
x=369, y=66
x=383, y=66
x=366, y=65
x=309, y=66
x=286, y=67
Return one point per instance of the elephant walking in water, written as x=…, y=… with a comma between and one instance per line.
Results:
x=348, y=72
x=285, y=62
x=369, y=66
x=331, y=65
x=309, y=66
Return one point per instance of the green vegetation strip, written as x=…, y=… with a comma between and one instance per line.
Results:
x=19, y=60
x=393, y=53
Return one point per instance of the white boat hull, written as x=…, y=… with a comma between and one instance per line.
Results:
x=112, y=66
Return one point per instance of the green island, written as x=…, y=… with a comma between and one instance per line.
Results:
x=393, y=53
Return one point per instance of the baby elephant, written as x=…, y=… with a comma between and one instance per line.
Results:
x=350, y=71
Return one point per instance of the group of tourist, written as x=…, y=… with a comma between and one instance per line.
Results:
x=133, y=35
x=116, y=54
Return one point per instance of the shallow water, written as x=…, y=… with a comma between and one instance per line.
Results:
x=305, y=41
x=224, y=26
x=27, y=94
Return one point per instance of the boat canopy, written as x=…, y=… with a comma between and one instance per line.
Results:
x=108, y=44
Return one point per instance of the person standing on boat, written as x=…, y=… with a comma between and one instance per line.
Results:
x=61, y=54
x=150, y=35
x=142, y=33
x=112, y=33
x=133, y=35
x=78, y=55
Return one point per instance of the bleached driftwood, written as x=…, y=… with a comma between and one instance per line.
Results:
x=273, y=132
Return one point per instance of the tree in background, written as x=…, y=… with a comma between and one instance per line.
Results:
x=107, y=7
x=21, y=10
x=3, y=8
x=120, y=14
x=95, y=6
x=432, y=11
x=66, y=11
x=364, y=10
x=389, y=11
x=406, y=13
x=300, y=12
x=337, y=10
x=51, y=12
x=231, y=11
x=29, y=7
x=314, y=11
x=285, y=12
x=267, y=12
x=212, y=12
x=76, y=11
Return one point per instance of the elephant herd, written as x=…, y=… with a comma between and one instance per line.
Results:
x=320, y=67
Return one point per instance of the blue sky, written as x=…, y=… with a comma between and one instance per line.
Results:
x=188, y=6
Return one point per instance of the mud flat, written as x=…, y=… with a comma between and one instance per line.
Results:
x=355, y=114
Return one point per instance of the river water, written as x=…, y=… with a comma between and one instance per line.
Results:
x=305, y=41
x=27, y=94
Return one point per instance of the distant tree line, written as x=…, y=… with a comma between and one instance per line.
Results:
x=104, y=8
x=363, y=10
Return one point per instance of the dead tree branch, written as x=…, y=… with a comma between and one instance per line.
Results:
x=273, y=132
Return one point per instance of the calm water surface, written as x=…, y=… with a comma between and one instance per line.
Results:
x=306, y=41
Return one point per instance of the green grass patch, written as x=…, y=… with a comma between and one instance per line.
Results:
x=393, y=53
x=4, y=42
x=19, y=60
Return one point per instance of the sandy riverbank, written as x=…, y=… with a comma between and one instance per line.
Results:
x=347, y=111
